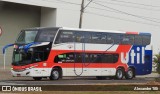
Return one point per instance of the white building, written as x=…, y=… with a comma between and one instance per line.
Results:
x=124, y=15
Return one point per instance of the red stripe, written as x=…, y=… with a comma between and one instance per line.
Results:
x=53, y=53
x=136, y=33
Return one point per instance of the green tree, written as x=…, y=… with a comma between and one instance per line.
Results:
x=156, y=59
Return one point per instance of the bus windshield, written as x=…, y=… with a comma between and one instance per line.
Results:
x=26, y=37
x=37, y=35
x=38, y=53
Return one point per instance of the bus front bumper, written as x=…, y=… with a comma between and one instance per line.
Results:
x=21, y=73
x=32, y=72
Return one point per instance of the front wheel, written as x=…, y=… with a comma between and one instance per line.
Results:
x=119, y=74
x=129, y=74
x=37, y=78
x=55, y=74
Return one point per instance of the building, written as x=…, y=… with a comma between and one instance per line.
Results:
x=121, y=15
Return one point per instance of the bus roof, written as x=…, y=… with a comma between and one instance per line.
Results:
x=92, y=30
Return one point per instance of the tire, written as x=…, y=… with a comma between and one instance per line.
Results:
x=101, y=77
x=55, y=74
x=129, y=74
x=37, y=78
x=119, y=74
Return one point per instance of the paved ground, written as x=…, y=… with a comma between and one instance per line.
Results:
x=7, y=79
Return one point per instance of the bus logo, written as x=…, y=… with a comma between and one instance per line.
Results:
x=135, y=53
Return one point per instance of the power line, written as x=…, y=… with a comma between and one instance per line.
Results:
x=55, y=2
x=140, y=4
x=115, y=11
x=62, y=1
x=122, y=12
x=88, y=4
x=139, y=22
x=98, y=8
x=124, y=5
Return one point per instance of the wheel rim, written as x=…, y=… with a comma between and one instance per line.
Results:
x=119, y=74
x=130, y=74
x=55, y=74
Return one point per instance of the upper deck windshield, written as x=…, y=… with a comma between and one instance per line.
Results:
x=26, y=37
x=37, y=35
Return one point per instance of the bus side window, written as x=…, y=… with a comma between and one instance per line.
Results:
x=138, y=40
x=109, y=39
x=113, y=38
x=146, y=39
x=78, y=36
x=96, y=37
x=87, y=37
x=65, y=36
x=64, y=58
x=127, y=39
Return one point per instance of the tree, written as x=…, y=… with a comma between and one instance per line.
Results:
x=156, y=59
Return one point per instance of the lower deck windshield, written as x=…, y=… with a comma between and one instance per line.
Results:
x=21, y=58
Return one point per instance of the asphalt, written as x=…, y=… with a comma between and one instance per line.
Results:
x=7, y=79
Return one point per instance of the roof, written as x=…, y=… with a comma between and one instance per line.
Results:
x=92, y=30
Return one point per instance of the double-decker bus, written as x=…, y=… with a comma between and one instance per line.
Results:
x=58, y=51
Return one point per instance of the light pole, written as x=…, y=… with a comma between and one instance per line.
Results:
x=81, y=14
x=82, y=11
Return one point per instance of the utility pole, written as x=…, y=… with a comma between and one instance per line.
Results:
x=81, y=14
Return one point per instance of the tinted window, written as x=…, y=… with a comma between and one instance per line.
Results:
x=146, y=39
x=27, y=37
x=65, y=36
x=96, y=37
x=113, y=38
x=87, y=37
x=87, y=57
x=138, y=40
x=79, y=37
x=127, y=39
x=46, y=35
x=62, y=58
x=109, y=58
